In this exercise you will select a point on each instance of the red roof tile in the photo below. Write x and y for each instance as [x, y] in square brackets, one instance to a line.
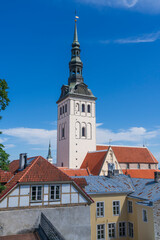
[131, 154]
[94, 161]
[81, 182]
[5, 176]
[39, 170]
[140, 173]
[75, 172]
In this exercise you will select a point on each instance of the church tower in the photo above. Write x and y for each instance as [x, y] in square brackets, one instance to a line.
[76, 126]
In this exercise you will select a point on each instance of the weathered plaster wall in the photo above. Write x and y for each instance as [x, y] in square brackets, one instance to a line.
[156, 219]
[72, 222]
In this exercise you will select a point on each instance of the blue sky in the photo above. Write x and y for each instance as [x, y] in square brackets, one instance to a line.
[120, 51]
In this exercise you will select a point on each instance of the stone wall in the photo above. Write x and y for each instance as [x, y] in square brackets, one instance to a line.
[72, 222]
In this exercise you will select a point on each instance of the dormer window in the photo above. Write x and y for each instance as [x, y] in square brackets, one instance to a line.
[36, 193]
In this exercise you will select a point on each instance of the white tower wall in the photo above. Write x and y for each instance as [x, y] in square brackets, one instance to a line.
[72, 146]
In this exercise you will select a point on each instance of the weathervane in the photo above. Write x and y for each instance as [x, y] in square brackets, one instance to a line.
[76, 17]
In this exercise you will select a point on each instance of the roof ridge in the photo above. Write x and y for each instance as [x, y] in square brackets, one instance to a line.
[28, 169]
[103, 145]
[151, 155]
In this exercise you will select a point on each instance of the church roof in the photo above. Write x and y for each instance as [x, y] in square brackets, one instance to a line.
[140, 173]
[125, 154]
[94, 161]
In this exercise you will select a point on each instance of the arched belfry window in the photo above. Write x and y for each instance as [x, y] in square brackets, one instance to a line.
[83, 107]
[89, 108]
[83, 131]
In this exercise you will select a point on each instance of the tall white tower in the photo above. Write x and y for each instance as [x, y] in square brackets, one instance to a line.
[76, 126]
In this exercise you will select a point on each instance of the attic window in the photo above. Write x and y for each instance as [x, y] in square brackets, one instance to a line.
[138, 166]
[149, 166]
[36, 193]
[55, 192]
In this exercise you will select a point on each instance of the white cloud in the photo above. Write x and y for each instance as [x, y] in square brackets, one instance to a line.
[134, 134]
[32, 135]
[145, 38]
[151, 6]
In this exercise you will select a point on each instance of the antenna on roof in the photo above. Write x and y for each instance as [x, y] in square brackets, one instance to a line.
[110, 140]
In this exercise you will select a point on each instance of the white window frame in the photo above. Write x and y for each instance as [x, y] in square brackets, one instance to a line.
[128, 230]
[114, 230]
[143, 215]
[128, 206]
[113, 207]
[55, 185]
[36, 200]
[119, 229]
[99, 216]
[97, 232]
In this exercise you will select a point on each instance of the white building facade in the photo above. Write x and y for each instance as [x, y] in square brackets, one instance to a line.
[76, 128]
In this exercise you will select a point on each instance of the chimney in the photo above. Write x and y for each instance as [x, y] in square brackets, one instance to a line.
[116, 172]
[22, 161]
[157, 177]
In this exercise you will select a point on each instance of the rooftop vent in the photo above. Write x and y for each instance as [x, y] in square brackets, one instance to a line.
[157, 176]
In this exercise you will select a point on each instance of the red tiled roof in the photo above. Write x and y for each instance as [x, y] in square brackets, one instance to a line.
[39, 170]
[94, 161]
[5, 176]
[81, 182]
[140, 173]
[131, 154]
[14, 165]
[75, 172]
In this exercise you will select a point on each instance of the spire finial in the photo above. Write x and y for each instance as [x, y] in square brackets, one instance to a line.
[75, 30]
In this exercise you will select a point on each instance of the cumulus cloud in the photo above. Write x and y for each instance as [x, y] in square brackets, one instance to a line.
[31, 135]
[134, 134]
[151, 6]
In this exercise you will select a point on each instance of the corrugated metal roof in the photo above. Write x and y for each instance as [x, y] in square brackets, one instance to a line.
[105, 185]
[146, 189]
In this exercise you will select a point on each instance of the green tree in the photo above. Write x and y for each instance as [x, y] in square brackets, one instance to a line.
[4, 101]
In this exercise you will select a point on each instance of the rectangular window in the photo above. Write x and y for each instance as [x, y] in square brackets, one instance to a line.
[100, 209]
[130, 207]
[122, 229]
[36, 193]
[144, 213]
[55, 192]
[111, 230]
[101, 231]
[65, 107]
[116, 207]
[130, 230]
[127, 165]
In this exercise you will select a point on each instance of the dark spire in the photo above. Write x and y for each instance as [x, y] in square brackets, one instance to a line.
[75, 65]
[49, 157]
